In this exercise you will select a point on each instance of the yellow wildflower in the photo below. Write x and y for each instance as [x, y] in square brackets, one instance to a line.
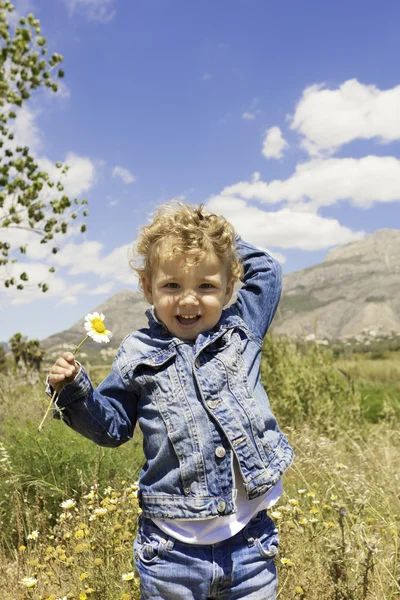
[79, 533]
[83, 575]
[286, 562]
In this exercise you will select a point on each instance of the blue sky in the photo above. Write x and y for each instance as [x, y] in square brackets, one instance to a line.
[283, 116]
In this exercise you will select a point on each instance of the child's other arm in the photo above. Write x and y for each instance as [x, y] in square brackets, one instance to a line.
[106, 415]
[258, 299]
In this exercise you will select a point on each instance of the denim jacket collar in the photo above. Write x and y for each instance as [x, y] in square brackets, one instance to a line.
[228, 320]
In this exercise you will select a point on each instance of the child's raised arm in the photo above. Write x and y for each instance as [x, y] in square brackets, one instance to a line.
[258, 299]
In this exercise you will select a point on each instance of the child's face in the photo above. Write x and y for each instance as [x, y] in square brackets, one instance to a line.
[177, 290]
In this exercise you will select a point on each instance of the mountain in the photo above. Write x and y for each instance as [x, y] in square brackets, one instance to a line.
[355, 288]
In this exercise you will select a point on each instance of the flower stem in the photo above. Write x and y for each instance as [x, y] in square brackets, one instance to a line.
[55, 392]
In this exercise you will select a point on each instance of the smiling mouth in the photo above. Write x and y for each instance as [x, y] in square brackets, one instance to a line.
[187, 322]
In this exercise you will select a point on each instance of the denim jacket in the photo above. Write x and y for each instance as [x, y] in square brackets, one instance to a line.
[197, 403]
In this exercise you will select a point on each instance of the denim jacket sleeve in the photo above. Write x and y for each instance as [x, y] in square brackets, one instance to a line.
[106, 415]
[258, 299]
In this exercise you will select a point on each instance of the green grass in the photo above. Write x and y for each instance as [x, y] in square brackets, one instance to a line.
[339, 533]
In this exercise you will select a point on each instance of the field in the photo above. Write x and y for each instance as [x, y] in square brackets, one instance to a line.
[68, 509]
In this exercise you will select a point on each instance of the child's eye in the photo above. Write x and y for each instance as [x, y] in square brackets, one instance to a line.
[171, 283]
[209, 284]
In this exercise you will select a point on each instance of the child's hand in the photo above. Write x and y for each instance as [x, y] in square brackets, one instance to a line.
[63, 371]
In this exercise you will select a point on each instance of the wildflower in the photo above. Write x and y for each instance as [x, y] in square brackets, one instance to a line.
[313, 520]
[331, 524]
[341, 466]
[287, 563]
[301, 492]
[79, 533]
[100, 512]
[34, 535]
[82, 596]
[126, 597]
[293, 502]
[96, 329]
[67, 504]
[90, 495]
[98, 562]
[29, 582]
[128, 576]
[83, 575]
[314, 510]
[276, 515]
[108, 490]
[22, 548]
[79, 548]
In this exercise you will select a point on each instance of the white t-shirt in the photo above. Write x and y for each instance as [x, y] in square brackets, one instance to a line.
[216, 529]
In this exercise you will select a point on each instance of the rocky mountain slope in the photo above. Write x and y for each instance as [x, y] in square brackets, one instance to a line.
[356, 288]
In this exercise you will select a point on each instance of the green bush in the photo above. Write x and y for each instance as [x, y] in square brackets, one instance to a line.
[305, 387]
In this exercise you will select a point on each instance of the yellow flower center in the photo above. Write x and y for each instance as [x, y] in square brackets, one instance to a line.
[98, 325]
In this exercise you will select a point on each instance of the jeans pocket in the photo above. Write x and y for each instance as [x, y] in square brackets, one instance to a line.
[148, 548]
[262, 533]
[267, 543]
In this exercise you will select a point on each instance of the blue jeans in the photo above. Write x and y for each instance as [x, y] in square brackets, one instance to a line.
[237, 568]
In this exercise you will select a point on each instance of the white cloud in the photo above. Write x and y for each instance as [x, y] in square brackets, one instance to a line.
[63, 90]
[39, 272]
[252, 110]
[248, 116]
[102, 289]
[327, 119]
[25, 130]
[113, 266]
[285, 228]
[274, 144]
[124, 174]
[95, 10]
[315, 183]
[80, 177]
[68, 300]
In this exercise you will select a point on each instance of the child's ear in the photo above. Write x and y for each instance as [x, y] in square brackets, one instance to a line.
[147, 289]
[229, 291]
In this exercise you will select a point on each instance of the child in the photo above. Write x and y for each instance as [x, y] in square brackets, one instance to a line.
[214, 452]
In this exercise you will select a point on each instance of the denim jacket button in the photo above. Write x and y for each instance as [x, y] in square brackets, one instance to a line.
[221, 506]
[220, 451]
[212, 403]
[197, 363]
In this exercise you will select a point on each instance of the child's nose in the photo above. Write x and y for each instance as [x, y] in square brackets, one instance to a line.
[189, 298]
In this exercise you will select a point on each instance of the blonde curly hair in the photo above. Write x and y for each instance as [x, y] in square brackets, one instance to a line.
[179, 228]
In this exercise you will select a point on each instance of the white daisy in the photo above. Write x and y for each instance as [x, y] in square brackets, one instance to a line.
[128, 576]
[95, 327]
[67, 504]
[29, 582]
